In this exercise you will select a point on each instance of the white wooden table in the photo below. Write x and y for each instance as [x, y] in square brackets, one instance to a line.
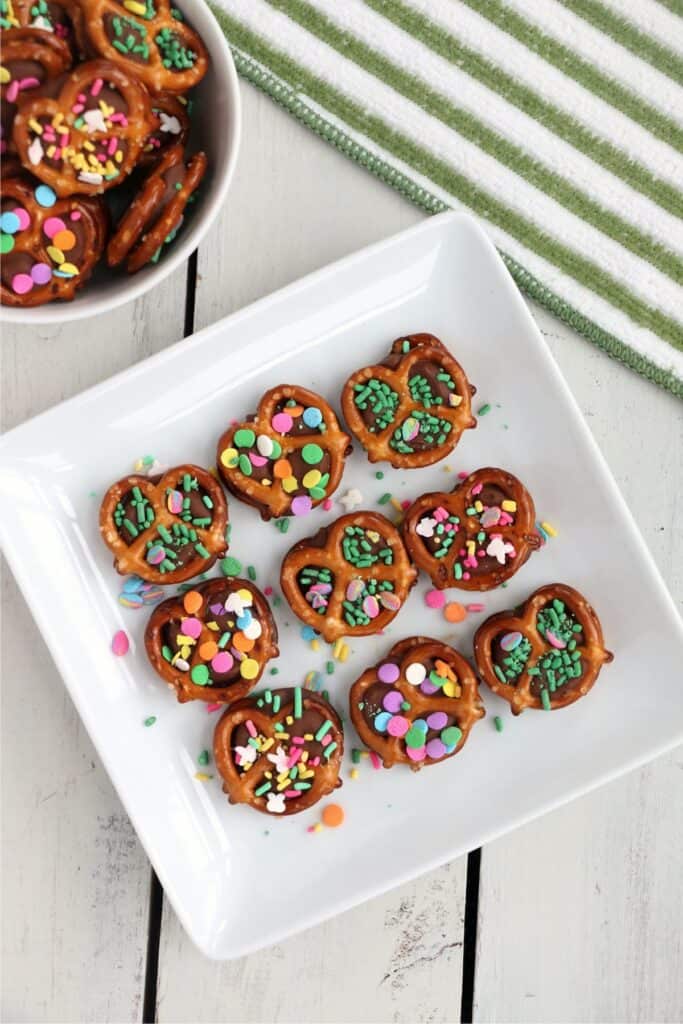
[575, 917]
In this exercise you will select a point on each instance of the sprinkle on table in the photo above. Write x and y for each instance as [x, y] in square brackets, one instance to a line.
[149, 721]
[483, 409]
[549, 529]
[454, 612]
[435, 599]
[120, 643]
[231, 566]
[379, 475]
[251, 573]
[203, 757]
[202, 777]
[386, 497]
[333, 815]
[475, 607]
[498, 722]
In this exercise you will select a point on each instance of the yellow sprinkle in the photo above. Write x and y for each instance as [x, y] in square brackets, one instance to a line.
[135, 7]
[35, 126]
[268, 744]
[447, 469]
[283, 775]
[289, 484]
[109, 168]
[186, 641]
[289, 720]
[213, 626]
[245, 767]
[51, 150]
[313, 477]
[315, 644]
[397, 504]
[90, 146]
[202, 776]
[106, 109]
[306, 775]
[310, 676]
[185, 652]
[336, 650]
[268, 775]
[229, 458]
[55, 254]
[550, 530]
[307, 736]
[354, 773]
[318, 827]
[283, 785]
[471, 547]
[365, 753]
[245, 596]
[508, 506]
[118, 156]
[345, 651]
[478, 505]
[266, 482]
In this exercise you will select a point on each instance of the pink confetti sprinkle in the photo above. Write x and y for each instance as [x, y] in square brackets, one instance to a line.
[405, 504]
[435, 599]
[75, 215]
[475, 607]
[12, 91]
[327, 504]
[375, 761]
[268, 591]
[96, 87]
[213, 707]
[251, 728]
[477, 489]
[52, 225]
[120, 643]
[282, 422]
[291, 793]
[462, 476]
[22, 283]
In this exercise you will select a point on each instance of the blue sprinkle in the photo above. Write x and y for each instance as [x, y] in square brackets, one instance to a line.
[45, 196]
[382, 721]
[244, 620]
[133, 584]
[9, 223]
[420, 724]
[312, 416]
[308, 633]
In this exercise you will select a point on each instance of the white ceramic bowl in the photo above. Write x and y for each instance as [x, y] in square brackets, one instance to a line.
[216, 128]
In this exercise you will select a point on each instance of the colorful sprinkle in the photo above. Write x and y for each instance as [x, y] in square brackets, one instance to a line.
[454, 612]
[435, 599]
[120, 643]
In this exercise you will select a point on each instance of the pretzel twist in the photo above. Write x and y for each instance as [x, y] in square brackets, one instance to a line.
[33, 257]
[519, 691]
[395, 373]
[506, 521]
[461, 705]
[143, 229]
[135, 557]
[213, 670]
[278, 496]
[94, 146]
[325, 551]
[248, 781]
[158, 48]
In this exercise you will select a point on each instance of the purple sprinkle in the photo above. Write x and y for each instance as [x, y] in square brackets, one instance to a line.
[392, 701]
[388, 672]
[437, 720]
[428, 687]
[301, 505]
[435, 748]
[41, 273]
[216, 609]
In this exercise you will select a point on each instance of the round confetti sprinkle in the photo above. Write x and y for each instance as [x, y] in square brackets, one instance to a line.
[45, 196]
[290, 484]
[231, 566]
[67, 270]
[388, 672]
[41, 273]
[192, 602]
[392, 701]
[416, 673]
[420, 724]
[55, 254]
[312, 454]
[301, 505]
[451, 736]
[10, 223]
[312, 417]
[448, 689]
[416, 753]
[333, 815]
[435, 599]
[120, 643]
[282, 469]
[398, 726]
[371, 606]
[191, 627]
[52, 226]
[312, 478]
[392, 602]
[282, 422]
[244, 438]
[174, 502]
[454, 612]
[22, 283]
[149, 721]
[229, 458]
[222, 662]
[208, 649]
[6, 243]
[428, 687]
[264, 445]
[415, 737]
[249, 668]
[308, 633]
[510, 641]
[65, 240]
[435, 748]
[382, 721]
[22, 214]
[242, 643]
[437, 720]
[200, 675]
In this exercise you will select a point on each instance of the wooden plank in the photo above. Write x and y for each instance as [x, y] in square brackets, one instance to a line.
[397, 958]
[580, 912]
[75, 881]
[294, 206]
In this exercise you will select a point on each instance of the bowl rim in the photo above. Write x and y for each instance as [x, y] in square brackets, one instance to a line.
[138, 284]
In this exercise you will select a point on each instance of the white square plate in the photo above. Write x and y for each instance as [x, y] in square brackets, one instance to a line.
[237, 879]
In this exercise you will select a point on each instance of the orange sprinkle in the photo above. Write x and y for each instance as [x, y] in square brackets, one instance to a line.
[444, 670]
[208, 650]
[282, 469]
[294, 410]
[64, 240]
[192, 602]
[333, 814]
[242, 643]
[454, 612]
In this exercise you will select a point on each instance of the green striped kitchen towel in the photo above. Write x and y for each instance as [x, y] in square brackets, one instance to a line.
[559, 123]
